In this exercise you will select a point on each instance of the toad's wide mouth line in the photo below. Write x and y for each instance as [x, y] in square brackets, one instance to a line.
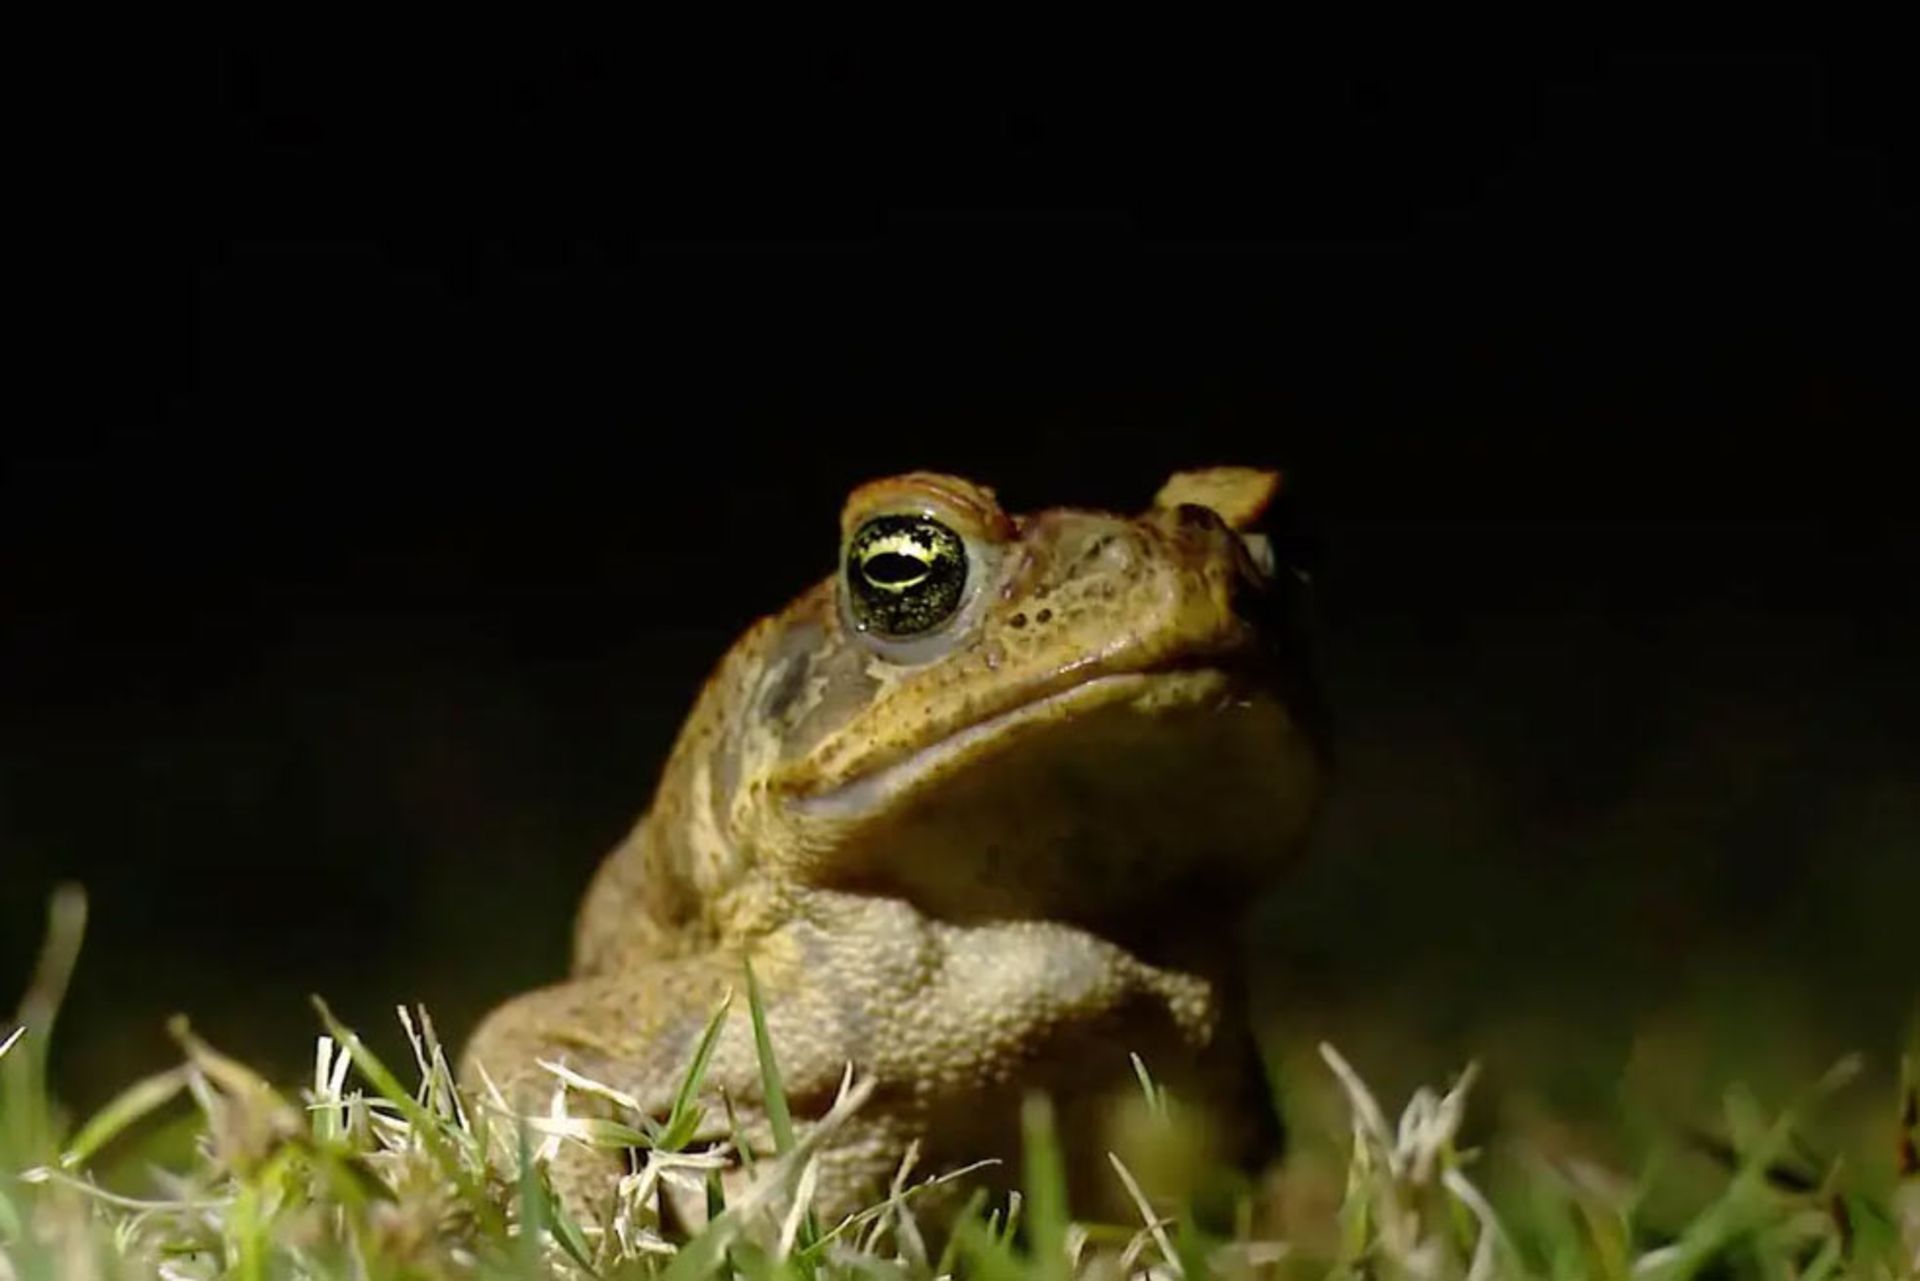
[863, 793]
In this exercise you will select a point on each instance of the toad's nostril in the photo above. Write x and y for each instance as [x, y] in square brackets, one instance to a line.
[1194, 516]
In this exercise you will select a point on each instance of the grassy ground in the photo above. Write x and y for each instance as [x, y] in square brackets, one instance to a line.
[209, 1170]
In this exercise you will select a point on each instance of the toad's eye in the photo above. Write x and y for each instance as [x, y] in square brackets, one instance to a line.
[904, 574]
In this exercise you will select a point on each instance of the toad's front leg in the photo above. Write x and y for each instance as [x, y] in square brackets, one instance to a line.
[638, 1031]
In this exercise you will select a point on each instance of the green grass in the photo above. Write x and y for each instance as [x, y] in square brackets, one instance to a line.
[209, 1170]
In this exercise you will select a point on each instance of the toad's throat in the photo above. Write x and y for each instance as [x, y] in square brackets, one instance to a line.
[1150, 691]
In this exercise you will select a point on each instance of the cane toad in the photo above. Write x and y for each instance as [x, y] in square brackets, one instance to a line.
[982, 808]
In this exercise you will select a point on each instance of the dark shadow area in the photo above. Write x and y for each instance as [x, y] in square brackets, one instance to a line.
[425, 427]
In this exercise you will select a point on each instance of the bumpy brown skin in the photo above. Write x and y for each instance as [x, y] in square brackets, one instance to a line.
[991, 858]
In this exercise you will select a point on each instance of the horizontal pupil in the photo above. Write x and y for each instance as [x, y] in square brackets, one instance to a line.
[892, 569]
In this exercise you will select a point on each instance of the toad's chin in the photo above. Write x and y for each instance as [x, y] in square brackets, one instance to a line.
[1079, 805]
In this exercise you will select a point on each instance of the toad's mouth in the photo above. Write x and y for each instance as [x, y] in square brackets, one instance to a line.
[1149, 692]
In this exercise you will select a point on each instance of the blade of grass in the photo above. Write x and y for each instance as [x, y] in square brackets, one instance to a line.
[59, 954]
[1155, 1096]
[969, 1214]
[1046, 1187]
[11, 1227]
[779, 1117]
[1745, 1206]
[592, 1130]
[684, 1116]
[126, 1109]
[533, 1206]
[27, 1119]
[1154, 1227]
[986, 1251]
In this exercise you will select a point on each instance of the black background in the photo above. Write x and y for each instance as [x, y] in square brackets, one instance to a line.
[416, 427]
